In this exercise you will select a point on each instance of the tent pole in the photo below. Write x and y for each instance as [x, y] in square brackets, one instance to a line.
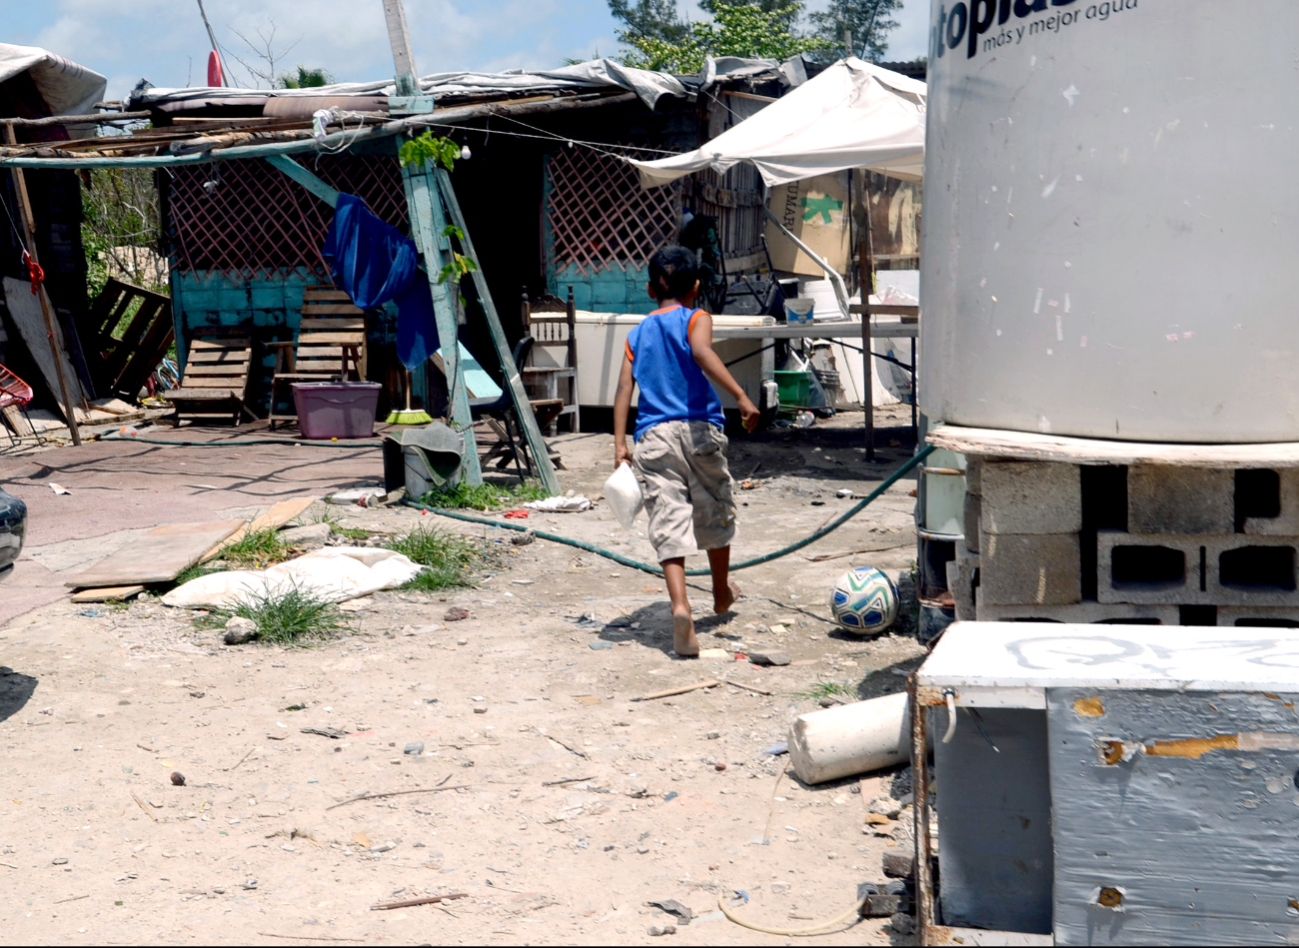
[866, 266]
[47, 310]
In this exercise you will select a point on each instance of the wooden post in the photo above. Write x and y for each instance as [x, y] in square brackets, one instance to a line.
[866, 267]
[47, 308]
[427, 223]
[403, 57]
[522, 406]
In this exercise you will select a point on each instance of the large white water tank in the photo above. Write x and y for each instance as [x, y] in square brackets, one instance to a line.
[1111, 229]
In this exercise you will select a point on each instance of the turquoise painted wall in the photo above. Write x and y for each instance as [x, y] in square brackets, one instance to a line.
[268, 307]
[611, 290]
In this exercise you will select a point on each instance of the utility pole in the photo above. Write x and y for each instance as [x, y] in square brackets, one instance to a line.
[211, 36]
[847, 42]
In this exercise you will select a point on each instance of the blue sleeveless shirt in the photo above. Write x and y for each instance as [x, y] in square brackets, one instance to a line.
[672, 385]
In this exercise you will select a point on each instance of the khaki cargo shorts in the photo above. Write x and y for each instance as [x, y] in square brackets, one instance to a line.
[682, 470]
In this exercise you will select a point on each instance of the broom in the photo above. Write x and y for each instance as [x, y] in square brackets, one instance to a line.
[409, 416]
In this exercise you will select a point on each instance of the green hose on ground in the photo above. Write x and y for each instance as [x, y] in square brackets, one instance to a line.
[651, 568]
[241, 443]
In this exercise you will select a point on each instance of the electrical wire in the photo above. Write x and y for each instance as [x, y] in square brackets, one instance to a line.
[655, 569]
[601, 147]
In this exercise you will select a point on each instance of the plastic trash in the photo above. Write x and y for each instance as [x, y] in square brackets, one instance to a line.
[804, 419]
[622, 492]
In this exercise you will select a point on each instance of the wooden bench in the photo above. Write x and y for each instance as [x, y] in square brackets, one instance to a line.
[330, 346]
[215, 382]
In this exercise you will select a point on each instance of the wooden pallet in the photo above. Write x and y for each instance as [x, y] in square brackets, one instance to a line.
[122, 366]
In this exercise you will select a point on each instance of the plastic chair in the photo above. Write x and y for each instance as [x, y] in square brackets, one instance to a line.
[15, 393]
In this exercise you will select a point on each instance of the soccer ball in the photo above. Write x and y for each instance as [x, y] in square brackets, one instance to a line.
[864, 600]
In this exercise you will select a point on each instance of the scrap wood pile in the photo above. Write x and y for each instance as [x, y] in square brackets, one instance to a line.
[180, 135]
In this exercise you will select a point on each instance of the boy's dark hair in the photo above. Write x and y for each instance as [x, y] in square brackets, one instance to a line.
[673, 272]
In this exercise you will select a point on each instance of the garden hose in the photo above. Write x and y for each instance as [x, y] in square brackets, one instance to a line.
[246, 441]
[817, 929]
[653, 568]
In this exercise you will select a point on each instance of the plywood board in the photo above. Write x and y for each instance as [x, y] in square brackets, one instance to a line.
[25, 311]
[159, 556]
[107, 593]
[1031, 446]
[277, 516]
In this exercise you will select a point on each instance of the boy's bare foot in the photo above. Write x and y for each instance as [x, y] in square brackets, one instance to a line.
[684, 640]
[727, 599]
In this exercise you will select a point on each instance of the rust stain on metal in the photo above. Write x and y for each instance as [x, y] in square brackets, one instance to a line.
[1110, 897]
[1193, 748]
[1111, 752]
[1089, 707]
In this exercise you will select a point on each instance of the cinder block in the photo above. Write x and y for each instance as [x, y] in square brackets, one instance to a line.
[961, 574]
[1230, 570]
[973, 508]
[1079, 612]
[581, 294]
[1040, 569]
[1180, 500]
[1030, 497]
[1286, 523]
[974, 474]
[1259, 616]
[267, 297]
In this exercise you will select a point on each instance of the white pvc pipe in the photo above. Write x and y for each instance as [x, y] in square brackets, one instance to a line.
[851, 739]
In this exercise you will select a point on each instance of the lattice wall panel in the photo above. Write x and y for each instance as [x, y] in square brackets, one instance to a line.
[247, 217]
[600, 216]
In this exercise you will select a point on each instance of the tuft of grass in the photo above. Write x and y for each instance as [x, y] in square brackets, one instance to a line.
[485, 496]
[212, 620]
[290, 615]
[351, 533]
[194, 572]
[257, 549]
[445, 557]
[829, 689]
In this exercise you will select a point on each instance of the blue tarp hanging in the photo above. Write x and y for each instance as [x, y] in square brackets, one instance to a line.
[373, 263]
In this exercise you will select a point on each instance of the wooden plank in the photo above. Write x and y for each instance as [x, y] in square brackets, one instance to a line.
[325, 309]
[107, 593]
[272, 519]
[353, 323]
[234, 342]
[305, 178]
[1030, 446]
[231, 369]
[25, 311]
[200, 393]
[324, 293]
[157, 557]
[335, 338]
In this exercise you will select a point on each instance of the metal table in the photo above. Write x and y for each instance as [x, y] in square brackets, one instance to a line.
[840, 330]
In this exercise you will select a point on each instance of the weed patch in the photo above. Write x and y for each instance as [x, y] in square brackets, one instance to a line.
[257, 549]
[485, 496]
[445, 557]
[290, 615]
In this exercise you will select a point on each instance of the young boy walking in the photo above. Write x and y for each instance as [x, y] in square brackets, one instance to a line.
[680, 454]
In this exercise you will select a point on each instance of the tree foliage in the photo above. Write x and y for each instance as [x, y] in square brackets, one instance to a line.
[869, 21]
[652, 19]
[738, 29]
[304, 77]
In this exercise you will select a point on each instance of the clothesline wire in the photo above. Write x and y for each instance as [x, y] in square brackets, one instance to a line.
[601, 147]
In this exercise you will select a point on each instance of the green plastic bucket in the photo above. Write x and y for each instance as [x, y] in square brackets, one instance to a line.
[793, 388]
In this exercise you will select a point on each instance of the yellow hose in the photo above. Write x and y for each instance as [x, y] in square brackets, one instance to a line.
[817, 929]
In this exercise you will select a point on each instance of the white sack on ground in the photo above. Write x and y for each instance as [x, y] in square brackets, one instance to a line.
[335, 573]
[853, 115]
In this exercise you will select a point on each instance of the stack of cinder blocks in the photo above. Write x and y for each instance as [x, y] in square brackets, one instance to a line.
[1146, 543]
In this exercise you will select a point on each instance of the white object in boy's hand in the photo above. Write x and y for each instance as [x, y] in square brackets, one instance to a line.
[622, 491]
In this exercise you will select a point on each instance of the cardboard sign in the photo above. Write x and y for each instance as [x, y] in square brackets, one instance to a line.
[816, 210]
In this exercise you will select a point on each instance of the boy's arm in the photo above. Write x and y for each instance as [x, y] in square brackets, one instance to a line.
[701, 345]
[621, 406]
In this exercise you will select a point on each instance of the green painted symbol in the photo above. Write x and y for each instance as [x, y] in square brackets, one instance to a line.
[822, 205]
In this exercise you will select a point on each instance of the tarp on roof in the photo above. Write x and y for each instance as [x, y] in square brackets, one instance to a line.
[67, 88]
[853, 115]
[582, 77]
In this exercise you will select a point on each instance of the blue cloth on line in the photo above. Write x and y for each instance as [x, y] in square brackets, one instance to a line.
[373, 262]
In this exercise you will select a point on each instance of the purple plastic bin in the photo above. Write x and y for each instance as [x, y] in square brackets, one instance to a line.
[336, 409]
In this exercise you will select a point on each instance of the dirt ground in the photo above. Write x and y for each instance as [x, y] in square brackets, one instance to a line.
[558, 805]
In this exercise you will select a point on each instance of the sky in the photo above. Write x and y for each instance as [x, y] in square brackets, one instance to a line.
[164, 40]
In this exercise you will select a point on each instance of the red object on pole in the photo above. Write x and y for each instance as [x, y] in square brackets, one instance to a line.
[34, 272]
[214, 78]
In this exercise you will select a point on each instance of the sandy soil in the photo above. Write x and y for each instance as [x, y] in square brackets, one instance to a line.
[664, 799]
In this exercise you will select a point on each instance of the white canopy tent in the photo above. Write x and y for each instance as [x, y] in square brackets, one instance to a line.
[67, 88]
[853, 115]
